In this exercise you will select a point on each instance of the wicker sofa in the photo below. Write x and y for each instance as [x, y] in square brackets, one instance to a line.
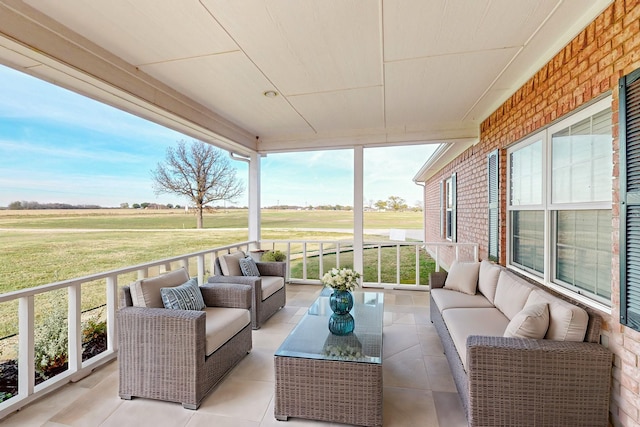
[510, 368]
[268, 285]
[180, 355]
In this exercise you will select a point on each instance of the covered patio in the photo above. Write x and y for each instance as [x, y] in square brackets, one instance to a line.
[258, 79]
[418, 388]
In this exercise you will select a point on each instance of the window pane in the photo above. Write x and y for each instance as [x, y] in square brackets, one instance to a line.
[583, 250]
[581, 159]
[527, 239]
[526, 175]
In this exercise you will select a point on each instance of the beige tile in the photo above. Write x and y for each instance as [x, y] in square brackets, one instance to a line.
[148, 413]
[397, 338]
[201, 419]
[257, 365]
[93, 407]
[239, 398]
[38, 412]
[431, 345]
[270, 420]
[449, 409]
[439, 374]
[403, 318]
[406, 369]
[268, 340]
[99, 375]
[404, 299]
[409, 408]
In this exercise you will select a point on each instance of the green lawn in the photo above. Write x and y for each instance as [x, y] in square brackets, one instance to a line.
[40, 247]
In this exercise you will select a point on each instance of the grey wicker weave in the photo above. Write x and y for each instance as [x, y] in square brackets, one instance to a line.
[162, 352]
[261, 310]
[320, 376]
[525, 382]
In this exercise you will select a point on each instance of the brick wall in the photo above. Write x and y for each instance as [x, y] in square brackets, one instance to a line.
[586, 68]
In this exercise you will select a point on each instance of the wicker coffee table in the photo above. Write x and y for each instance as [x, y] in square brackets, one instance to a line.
[321, 376]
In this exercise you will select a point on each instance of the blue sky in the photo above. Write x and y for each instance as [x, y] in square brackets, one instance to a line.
[57, 146]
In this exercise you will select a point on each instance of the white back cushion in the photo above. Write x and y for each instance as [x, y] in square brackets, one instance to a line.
[463, 277]
[146, 292]
[230, 264]
[511, 294]
[488, 279]
[567, 322]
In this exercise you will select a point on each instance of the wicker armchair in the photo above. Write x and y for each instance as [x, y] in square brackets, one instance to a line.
[262, 308]
[162, 352]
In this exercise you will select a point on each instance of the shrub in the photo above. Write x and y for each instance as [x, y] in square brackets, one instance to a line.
[51, 343]
[274, 256]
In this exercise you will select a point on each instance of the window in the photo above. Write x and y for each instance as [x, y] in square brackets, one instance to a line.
[449, 211]
[629, 119]
[494, 205]
[559, 203]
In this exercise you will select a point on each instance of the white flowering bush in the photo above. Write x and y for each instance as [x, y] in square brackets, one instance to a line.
[344, 279]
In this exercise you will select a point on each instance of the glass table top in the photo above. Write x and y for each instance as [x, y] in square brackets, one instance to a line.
[311, 338]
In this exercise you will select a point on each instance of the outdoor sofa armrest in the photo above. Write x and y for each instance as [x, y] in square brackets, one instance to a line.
[230, 295]
[437, 279]
[160, 337]
[517, 381]
[254, 281]
[272, 268]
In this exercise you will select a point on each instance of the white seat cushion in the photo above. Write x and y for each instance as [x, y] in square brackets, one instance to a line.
[230, 264]
[463, 322]
[271, 285]
[567, 322]
[446, 298]
[222, 324]
[146, 292]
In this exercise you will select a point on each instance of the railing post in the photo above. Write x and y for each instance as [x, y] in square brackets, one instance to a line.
[398, 264]
[417, 247]
[26, 344]
[379, 264]
[337, 254]
[321, 261]
[200, 259]
[304, 260]
[112, 308]
[74, 324]
[437, 258]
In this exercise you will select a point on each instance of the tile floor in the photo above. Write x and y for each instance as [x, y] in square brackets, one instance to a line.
[418, 387]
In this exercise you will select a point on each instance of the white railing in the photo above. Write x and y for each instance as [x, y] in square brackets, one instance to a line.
[78, 369]
[298, 251]
[305, 251]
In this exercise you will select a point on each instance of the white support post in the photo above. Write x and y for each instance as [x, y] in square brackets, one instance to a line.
[254, 198]
[75, 327]
[112, 308]
[358, 209]
[201, 269]
[26, 340]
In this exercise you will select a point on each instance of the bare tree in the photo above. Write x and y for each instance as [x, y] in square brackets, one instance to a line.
[199, 172]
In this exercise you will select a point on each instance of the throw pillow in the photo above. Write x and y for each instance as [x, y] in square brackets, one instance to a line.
[531, 322]
[463, 277]
[249, 267]
[488, 279]
[184, 297]
[230, 264]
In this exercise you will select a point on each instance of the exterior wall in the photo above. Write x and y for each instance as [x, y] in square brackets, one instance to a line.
[586, 68]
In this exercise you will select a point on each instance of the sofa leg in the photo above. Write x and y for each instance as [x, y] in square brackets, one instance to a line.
[190, 406]
[126, 396]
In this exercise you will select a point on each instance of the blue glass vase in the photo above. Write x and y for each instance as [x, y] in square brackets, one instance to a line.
[341, 302]
[341, 324]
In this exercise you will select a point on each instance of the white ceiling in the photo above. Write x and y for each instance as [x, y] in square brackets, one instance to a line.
[348, 72]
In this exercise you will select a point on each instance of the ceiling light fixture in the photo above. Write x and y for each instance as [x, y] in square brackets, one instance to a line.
[270, 93]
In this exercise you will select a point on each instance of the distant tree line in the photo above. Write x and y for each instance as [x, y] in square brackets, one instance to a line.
[17, 206]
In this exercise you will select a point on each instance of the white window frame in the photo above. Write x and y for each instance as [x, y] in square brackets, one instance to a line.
[549, 208]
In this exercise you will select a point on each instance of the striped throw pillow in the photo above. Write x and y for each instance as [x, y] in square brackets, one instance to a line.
[184, 297]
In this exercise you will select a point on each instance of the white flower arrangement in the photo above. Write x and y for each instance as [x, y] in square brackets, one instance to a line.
[344, 279]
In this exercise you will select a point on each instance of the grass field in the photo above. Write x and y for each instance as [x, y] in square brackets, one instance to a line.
[40, 247]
